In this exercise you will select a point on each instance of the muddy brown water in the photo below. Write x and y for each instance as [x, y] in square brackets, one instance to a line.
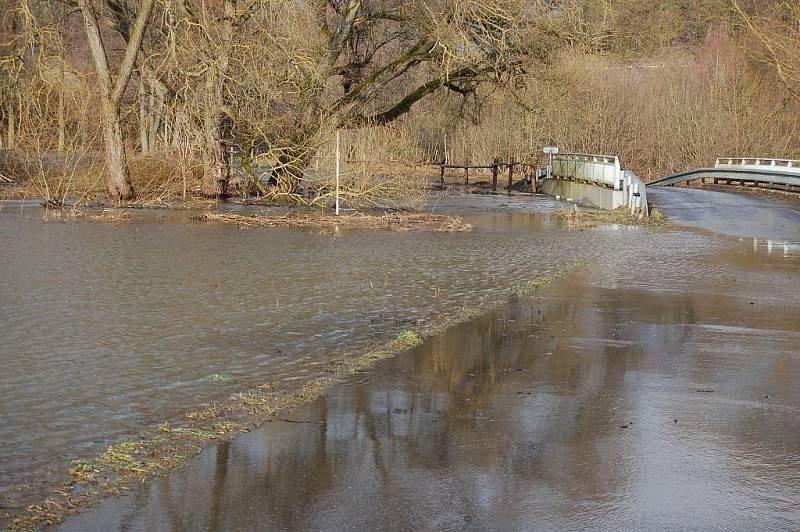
[107, 330]
[556, 411]
[594, 405]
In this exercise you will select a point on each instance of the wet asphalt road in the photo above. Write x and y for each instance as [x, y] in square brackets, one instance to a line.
[728, 213]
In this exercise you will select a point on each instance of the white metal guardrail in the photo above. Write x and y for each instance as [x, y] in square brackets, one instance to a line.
[635, 193]
[787, 166]
[602, 170]
[755, 171]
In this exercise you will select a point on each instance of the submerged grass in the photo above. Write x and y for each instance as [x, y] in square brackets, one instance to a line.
[219, 378]
[76, 214]
[118, 467]
[394, 221]
[407, 340]
[586, 219]
[527, 287]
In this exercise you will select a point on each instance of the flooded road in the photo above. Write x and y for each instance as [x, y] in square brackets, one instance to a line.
[655, 388]
[109, 330]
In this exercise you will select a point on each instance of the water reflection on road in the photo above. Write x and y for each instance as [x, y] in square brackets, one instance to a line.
[109, 330]
[620, 398]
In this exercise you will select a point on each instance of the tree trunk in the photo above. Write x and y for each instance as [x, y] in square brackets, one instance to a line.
[215, 169]
[111, 92]
[144, 117]
[180, 127]
[216, 172]
[119, 181]
[62, 121]
[157, 111]
[11, 144]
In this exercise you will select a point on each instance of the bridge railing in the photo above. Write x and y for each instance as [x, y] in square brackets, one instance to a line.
[750, 163]
[602, 170]
[635, 193]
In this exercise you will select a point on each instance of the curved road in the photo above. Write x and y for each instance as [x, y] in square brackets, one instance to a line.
[728, 213]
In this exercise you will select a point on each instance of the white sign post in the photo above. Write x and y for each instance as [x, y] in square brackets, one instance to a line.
[550, 151]
[337, 173]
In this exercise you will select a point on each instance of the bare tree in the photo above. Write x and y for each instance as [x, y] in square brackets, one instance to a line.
[776, 29]
[378, 59]
[112, 88]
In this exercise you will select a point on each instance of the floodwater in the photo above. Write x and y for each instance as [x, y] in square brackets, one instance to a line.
[619, 398]
[111, 329]
[657, 387]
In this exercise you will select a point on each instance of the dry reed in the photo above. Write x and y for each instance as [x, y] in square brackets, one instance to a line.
[396, 221]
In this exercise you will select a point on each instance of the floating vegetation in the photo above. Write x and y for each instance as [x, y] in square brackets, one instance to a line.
[395, 221]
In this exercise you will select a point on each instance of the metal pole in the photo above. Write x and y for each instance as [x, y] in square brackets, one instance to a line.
[337, 172]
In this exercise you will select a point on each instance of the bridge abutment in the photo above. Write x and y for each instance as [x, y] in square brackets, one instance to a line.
[591, 195]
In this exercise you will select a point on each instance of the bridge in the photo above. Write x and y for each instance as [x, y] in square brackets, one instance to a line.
[591, 179]
[772, 173]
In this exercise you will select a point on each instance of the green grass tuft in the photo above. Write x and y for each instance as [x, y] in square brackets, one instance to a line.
[407, 340]
[219, 378]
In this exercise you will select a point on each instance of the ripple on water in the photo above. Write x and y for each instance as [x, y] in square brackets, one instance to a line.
[109, 329]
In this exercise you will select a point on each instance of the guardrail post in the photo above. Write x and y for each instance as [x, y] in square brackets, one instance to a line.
[627, 189]
[466, 173]
[630, 191]
[632, 200]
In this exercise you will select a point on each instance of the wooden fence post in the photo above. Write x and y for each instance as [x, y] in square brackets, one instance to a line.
[466, 173]
[494, 173]
[441, 173]
[510, 173]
